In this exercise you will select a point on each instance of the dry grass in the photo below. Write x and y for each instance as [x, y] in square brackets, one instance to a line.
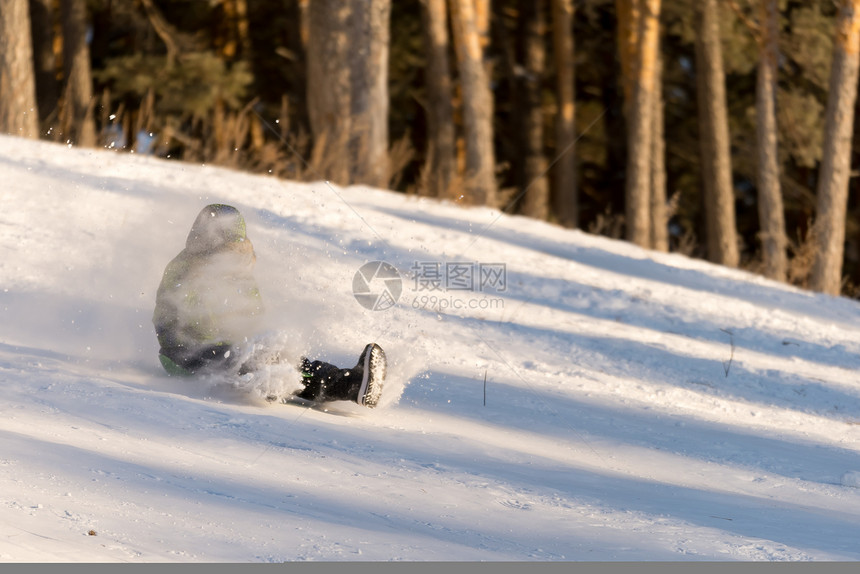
[243, 140]
[608, 223]
[801, 258]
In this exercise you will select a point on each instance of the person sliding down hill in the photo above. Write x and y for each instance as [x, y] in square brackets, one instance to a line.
[208, 306]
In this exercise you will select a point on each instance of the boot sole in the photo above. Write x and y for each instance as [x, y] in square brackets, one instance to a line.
[375, 366]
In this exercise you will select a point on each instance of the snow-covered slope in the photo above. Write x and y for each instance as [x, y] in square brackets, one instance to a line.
[600, 403]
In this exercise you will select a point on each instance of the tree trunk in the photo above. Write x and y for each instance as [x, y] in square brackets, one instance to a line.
[482, 23]
[536, 199]
[564, 181]
[440, 165]
[78, 102]
[770, 209]
[640, 127]
[628, 23]
[480, 177]
[235, 40]
[296, 43]
[369, 43]
[42, 28]
[18, 111]
[278, 62]
[714, 138]
[659, 216]
[329, 88]
[835, 171]
[348, 89]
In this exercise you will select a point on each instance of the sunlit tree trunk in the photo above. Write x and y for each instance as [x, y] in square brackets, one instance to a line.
[348, 89]
[369, 45]
[640, 126]
[659, 215]
[483, 12]
[18, 111]
[835, 171]
[329, 87]
[234, 41]
[440, 166]
[714, 138]
[480, 177]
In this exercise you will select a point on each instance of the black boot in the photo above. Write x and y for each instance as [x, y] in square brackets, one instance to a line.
[323, 381]
[362, 384]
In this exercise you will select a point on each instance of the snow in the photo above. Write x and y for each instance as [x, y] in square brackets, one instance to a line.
[605, 403]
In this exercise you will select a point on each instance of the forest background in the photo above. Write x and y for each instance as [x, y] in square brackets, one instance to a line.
[721, 129]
